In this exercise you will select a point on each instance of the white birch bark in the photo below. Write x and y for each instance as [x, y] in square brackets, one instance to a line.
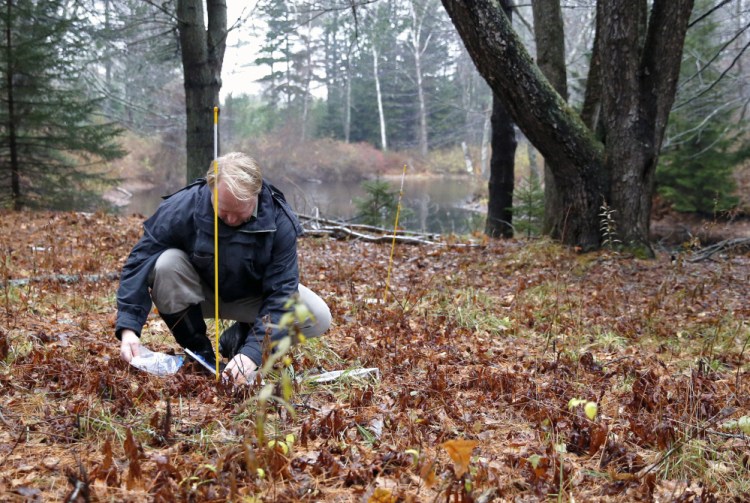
[383, 140]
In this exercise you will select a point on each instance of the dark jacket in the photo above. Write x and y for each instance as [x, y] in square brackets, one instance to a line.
[257, 258]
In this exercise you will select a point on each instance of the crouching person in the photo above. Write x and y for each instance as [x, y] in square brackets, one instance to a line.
[173, 266]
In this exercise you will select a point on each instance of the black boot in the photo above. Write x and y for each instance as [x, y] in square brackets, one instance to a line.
[232, 339]
[189, 330]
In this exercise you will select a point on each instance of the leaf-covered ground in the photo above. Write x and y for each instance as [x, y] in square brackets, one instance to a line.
[480, 350]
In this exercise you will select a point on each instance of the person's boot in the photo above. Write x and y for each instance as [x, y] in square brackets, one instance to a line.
[232, 339]
[189, 330]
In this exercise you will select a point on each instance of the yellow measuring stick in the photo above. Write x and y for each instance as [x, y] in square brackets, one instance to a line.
[216, 236]
[395, 228]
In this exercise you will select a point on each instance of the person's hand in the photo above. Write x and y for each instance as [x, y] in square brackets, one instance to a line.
[130, 345]
[240, 370]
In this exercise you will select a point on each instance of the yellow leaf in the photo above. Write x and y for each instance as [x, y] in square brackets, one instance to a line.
[279, 446]
[460, 452]
[301, 312]
[575, 402]
[590, 409]
[381, 495]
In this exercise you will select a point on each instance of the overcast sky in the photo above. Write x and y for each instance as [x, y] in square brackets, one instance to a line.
[239, 72]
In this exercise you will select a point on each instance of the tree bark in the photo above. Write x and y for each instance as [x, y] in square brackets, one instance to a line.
[15, 169]
[202, 57]
[592, 98]
[348, 101]
[381, 114]
[502, 164]
[641, 69]
[549, 34]
[486, 133]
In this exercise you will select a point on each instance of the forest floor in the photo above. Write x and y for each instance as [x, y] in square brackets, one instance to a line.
[508, 370]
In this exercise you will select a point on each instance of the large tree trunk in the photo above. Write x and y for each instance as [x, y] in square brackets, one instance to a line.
[639, 74]
[549, 34]
[202, 57]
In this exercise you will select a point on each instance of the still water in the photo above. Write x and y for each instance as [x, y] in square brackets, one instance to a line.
[435, 205]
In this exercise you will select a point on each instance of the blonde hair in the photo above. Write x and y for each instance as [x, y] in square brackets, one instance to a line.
[240, 173]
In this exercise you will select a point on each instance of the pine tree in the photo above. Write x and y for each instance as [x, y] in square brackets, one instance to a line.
[528, 207]
[705, 140]
[50, 136]
[380, 204]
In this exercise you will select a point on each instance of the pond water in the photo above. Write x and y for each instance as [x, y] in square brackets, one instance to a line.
[435, 204]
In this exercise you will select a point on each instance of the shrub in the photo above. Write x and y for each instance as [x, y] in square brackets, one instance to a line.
[322, 159]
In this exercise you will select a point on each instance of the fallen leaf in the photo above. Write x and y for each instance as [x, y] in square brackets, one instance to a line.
[381, 495]
[460, 452]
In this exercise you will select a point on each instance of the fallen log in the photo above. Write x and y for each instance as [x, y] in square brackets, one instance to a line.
[316, 226]
[724, 246]
[318, 222]
[342, 232]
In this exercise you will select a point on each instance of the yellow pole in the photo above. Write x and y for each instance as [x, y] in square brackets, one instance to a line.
[216, 237]
[395, 228]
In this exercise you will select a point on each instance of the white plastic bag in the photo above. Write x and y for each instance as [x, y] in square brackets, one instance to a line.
[156, 363]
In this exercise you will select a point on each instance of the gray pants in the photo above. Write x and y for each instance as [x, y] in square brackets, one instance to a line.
[175, 285]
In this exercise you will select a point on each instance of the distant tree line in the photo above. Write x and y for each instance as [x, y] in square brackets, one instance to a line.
[400, 75]
[392, 73]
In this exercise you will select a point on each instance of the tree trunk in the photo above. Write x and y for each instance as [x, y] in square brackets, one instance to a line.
[592, 98]
[502, 163]
[308, 80]
[202, 57]
[486, 136]
[549, 33]
[381, 115]
[467, 158]
[640, 75]
[416, 35]
[348, 101]
[15, 169]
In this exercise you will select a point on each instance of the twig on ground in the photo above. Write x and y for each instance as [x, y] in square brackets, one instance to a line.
[723, 246]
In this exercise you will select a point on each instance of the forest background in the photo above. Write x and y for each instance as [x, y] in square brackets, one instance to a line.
[331, 93]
